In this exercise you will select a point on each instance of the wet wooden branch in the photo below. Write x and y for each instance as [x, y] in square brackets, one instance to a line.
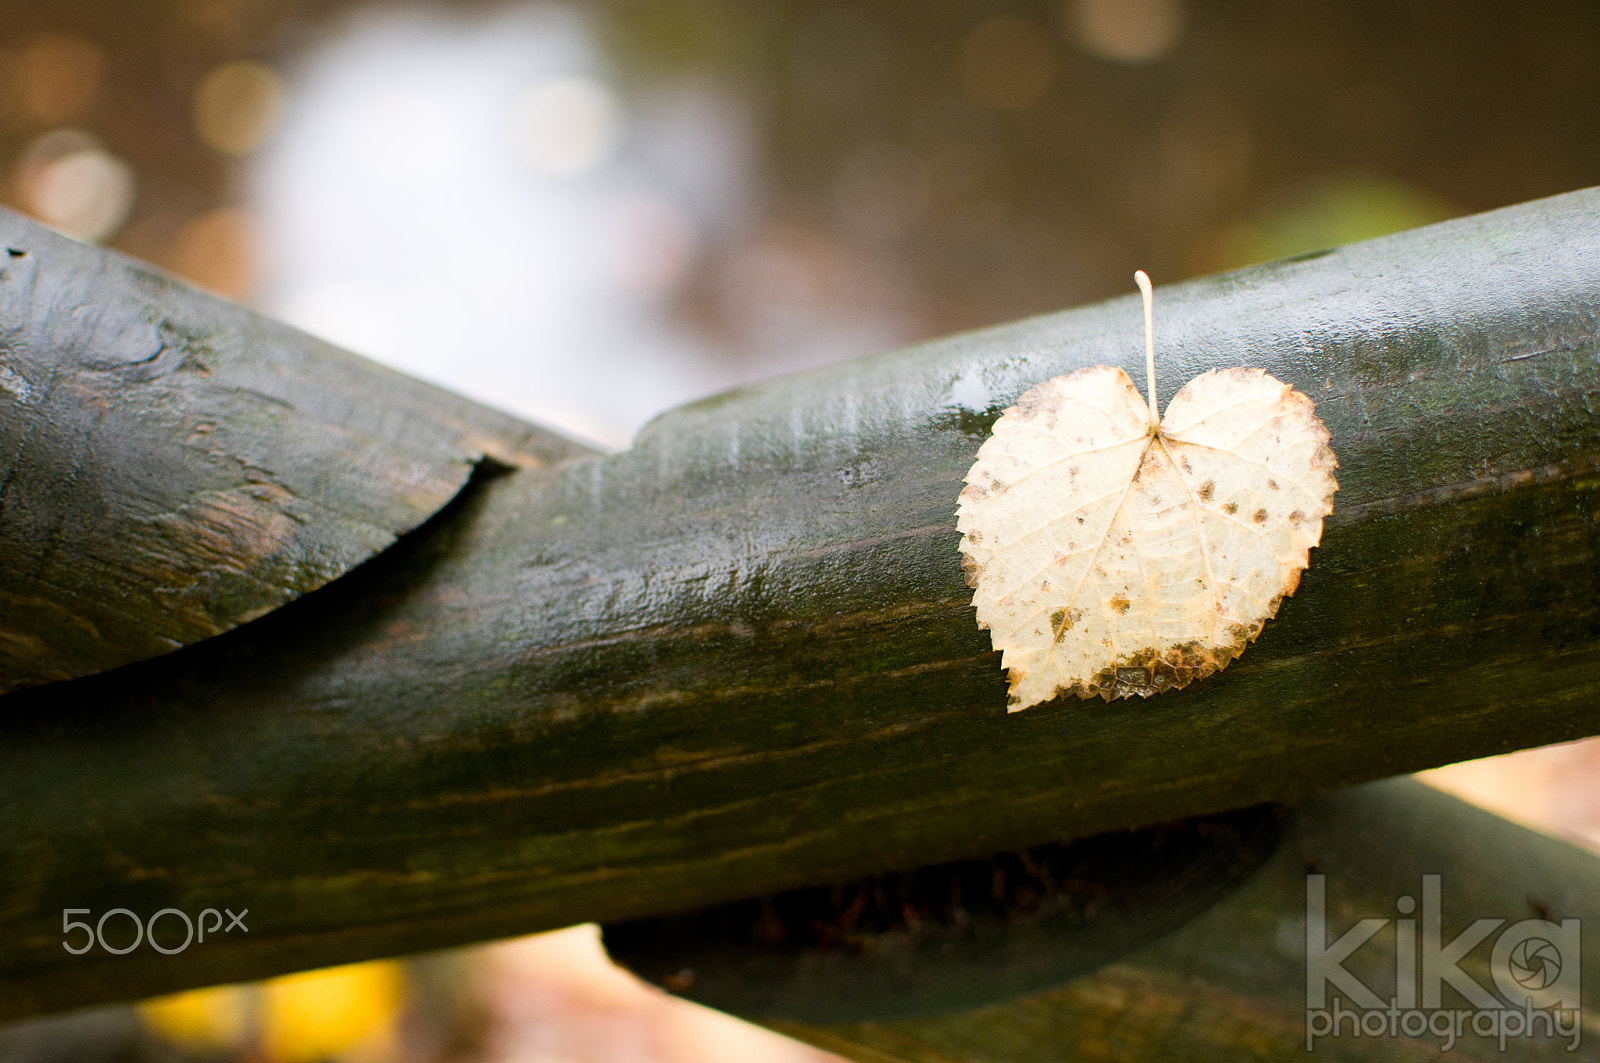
[172, 465]
[1232, 984]
[739, 657]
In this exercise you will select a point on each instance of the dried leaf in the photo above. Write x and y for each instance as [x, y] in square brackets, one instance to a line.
[1111, 557]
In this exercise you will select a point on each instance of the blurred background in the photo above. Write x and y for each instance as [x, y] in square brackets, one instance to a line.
[588, 212]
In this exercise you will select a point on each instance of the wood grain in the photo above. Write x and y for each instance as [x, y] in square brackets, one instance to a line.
[172, 465]
[740, 656]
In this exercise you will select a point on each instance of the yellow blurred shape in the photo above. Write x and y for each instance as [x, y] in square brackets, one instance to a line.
[217, 251]
[1127, 31]
[57, 75]
[200, 1018]
[318, 1014]
[237, 106]
[1007, 62]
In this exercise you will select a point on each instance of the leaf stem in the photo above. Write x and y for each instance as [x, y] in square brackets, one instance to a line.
[1142, 279]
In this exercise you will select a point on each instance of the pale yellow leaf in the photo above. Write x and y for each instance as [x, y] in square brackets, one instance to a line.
[1111, 558]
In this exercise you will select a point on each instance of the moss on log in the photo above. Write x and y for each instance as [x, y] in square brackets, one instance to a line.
[172, 465]
[740, 656]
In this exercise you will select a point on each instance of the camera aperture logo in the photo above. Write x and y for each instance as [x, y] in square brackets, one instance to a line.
[1534, 968]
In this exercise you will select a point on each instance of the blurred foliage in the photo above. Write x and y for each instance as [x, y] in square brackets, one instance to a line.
[671, 38]
[1326, 214]
[995, 159]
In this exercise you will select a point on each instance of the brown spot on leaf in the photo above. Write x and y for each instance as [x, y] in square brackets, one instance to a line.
[1240, 635]
[1272, 485]
[1061, 621]
[1230, 508]
[1120, 603]
[1297, 518]
[1260, 517]
[1206, 490]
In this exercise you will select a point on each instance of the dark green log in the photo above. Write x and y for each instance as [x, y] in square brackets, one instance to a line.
[172, 465]
[948, 937]
[1232, 984]
[739, 657]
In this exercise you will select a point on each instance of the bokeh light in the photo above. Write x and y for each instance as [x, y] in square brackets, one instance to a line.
[455, 196]
[237, 106]
[217, 251]
[317, 1015]
[348, 1012]
[1127, 31]
[208, 1019]
[67, 180]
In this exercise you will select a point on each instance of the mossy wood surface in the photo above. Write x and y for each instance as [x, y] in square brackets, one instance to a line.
[740, 657]
[1231, 984]
[172, 465]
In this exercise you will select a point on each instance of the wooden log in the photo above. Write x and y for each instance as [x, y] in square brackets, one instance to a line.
[172, 465]
[1232, 984]
[948, 937]
[740, 656]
